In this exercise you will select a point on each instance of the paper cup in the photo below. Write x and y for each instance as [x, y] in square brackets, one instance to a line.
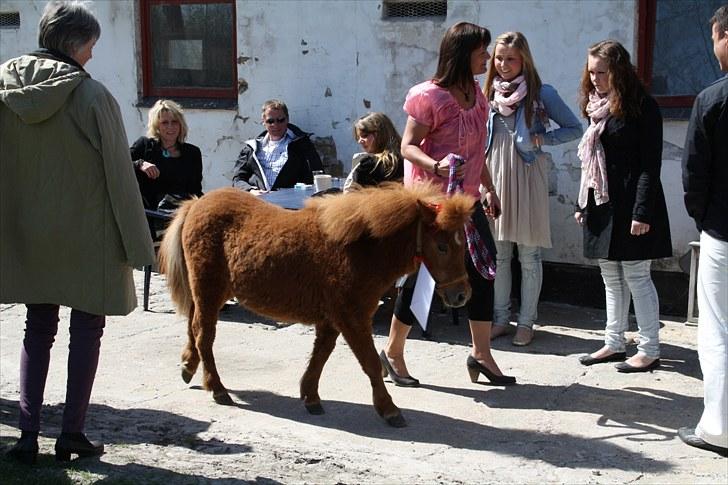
[321, 182]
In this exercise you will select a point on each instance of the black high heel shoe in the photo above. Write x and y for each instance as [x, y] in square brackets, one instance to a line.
[25, 449]
[475, 368]
[398, 380]
[77, 444]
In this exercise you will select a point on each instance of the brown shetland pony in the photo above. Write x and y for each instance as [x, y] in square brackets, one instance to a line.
[325, 265]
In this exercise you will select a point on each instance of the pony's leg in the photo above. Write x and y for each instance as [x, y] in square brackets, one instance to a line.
[359, 337]
[190, 356]
[205, 322]
[322, 347]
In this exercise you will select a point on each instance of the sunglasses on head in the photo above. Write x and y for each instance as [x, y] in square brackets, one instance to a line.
[270, 121]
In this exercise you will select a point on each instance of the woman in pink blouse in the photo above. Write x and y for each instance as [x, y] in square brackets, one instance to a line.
[449, 114]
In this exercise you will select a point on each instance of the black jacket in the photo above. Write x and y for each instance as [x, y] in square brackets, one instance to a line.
[633, 152]
[367, 172]
[302, 161]
[705, 161]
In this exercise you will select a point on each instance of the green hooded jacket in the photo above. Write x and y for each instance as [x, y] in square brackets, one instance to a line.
[72, 224]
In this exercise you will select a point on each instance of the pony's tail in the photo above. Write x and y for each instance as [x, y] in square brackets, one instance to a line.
[172, 261]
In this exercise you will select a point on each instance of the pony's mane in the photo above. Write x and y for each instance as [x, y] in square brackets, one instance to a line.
[379, 212]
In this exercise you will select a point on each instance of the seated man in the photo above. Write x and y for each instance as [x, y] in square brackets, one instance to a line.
[280, 157]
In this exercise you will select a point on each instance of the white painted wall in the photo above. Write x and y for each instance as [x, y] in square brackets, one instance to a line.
[358, 56]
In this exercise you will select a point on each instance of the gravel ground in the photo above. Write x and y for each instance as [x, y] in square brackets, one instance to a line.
[563, 423]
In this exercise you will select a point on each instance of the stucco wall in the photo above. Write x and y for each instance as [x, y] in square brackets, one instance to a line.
[332, 61]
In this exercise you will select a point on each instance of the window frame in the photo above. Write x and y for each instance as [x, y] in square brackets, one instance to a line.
[148, 91]
[647, 19]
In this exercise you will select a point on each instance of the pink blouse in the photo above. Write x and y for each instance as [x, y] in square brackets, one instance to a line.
[453, 129]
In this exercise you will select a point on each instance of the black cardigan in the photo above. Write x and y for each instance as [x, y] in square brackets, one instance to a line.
[181, 176]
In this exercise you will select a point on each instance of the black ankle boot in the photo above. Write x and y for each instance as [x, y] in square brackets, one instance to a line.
[26, 448]
[77, 444]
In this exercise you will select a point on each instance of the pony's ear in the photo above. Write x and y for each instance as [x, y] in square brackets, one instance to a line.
[428, 211]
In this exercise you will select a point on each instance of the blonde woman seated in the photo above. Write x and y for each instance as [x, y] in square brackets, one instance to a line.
[163, 162]
[381, 160]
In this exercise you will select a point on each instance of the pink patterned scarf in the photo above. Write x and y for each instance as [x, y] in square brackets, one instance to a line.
[591, 152]
[508, 94]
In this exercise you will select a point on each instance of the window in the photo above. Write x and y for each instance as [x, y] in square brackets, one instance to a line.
[188, 48]
[414, 9]
[675, 51]
[9, 20]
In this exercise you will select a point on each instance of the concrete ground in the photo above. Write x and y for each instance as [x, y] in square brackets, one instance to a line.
[562, 423]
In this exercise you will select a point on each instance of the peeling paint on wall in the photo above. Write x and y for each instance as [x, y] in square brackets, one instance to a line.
[243, 59]
[242, 86]
[367, 103]
[326, 147]
[327, 94]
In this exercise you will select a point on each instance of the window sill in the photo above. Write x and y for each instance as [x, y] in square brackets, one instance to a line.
[191, 103]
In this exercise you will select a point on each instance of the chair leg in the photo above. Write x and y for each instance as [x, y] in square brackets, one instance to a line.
[147, 280]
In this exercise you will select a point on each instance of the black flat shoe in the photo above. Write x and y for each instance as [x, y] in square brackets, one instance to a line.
[688, 436]
[626, 368]
[615, 357]
[398, 380]
[25, 449]
[475, 368]
[77, 444]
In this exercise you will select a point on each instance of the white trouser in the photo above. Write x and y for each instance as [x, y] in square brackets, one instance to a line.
[713, 339]
[620, 279]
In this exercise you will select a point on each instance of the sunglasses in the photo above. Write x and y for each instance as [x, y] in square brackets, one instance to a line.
[271, 121]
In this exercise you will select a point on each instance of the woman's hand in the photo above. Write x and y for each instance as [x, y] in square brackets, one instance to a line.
[257, 192]
[537, 140]
[443, 169]
[493, 210]
[580, 218]
[639, 228]
[150, 170]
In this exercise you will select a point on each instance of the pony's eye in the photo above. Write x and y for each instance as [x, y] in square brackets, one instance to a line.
[442, 247]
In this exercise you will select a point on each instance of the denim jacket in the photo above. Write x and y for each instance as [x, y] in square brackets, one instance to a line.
[569, 126]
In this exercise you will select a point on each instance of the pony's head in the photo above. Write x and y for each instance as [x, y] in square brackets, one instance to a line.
[390, 209]
[441, 246]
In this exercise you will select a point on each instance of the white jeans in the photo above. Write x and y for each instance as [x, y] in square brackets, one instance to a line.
[713, 339]
[531, 278]
[620, 279]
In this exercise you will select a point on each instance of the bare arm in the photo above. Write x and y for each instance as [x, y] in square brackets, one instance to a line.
[413, 135]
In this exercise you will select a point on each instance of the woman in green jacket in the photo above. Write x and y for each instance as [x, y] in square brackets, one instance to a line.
[72, 225]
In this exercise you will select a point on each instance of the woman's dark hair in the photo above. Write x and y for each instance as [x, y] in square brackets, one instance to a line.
[67, 26]
[625, 89]
[458, 43]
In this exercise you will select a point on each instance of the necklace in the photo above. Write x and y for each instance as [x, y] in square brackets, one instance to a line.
[165, 150]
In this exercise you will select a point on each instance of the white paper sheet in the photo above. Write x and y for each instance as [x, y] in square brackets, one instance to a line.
[422, 298]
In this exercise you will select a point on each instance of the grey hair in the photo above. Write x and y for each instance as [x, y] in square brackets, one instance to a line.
[66, 26]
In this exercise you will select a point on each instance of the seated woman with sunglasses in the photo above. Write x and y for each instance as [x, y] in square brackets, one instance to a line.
[280, 157]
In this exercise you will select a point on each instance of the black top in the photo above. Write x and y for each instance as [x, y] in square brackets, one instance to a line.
[368, 172]
[180, 176]
[705, 161]
[633, 153]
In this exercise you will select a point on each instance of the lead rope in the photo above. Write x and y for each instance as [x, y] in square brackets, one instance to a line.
[482, 259]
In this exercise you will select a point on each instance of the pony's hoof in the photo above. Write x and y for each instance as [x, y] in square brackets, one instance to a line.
[315, 408]
[223, 398]
[186, 375]
[397, 421]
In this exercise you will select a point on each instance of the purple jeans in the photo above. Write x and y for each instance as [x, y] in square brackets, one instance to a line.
[41, 326]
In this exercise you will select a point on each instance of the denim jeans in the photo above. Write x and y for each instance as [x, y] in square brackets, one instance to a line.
[713, 339]
[531, 278]
[620, 279]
